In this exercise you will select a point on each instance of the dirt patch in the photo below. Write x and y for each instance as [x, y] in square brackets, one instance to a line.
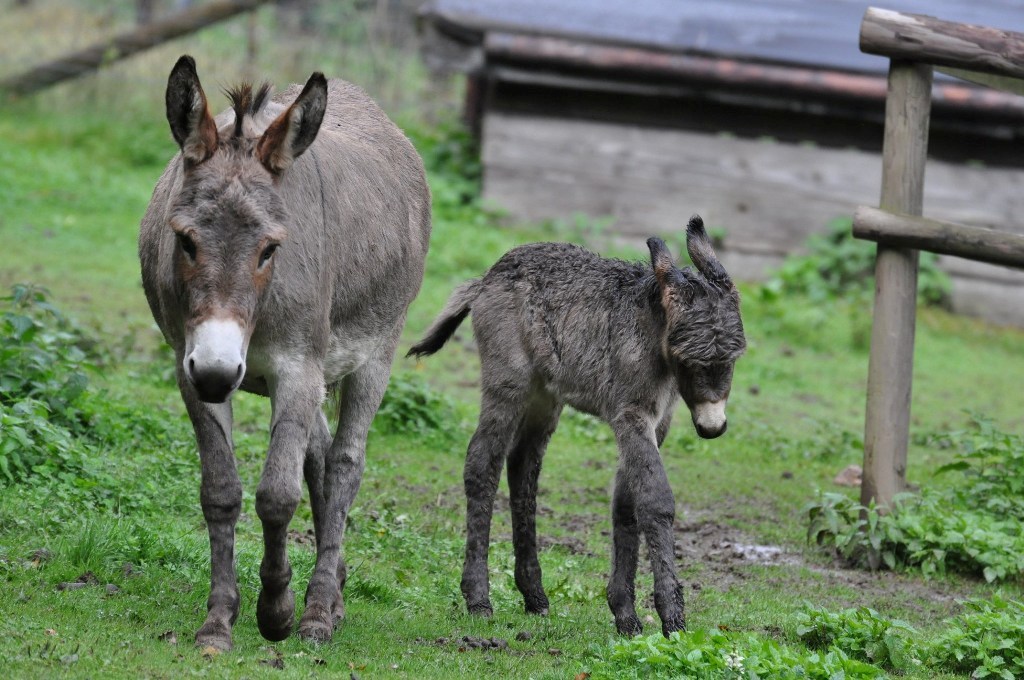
[467, 642]
[726, 556]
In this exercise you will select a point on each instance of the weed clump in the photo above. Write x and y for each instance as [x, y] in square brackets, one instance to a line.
[718, 654]
[972, 527]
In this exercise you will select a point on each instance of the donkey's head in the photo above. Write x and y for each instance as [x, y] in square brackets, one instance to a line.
[703, 330]
[229, 218]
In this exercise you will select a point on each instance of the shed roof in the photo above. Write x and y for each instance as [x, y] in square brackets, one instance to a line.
[815, 33]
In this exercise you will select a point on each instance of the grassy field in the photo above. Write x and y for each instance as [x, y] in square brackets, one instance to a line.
[119, 513]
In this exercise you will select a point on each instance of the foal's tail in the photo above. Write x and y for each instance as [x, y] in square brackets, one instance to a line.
[455, 311]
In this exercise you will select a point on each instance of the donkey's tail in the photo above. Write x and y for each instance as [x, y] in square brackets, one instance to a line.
[455, 311]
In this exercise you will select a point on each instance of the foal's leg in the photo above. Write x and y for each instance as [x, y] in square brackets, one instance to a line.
[501, 412]
[524, 463]
[220, 494]
[643, 473]
[361, 395]
[296, 397]
[625, 549]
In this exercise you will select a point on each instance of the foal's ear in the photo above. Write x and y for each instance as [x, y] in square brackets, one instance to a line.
[295, 129]
[187, 113]
[661, 260]
[698, 246]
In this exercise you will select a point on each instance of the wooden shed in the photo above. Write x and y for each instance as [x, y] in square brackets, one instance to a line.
[764, 117]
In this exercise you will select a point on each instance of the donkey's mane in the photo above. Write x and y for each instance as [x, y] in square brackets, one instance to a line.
[247, 102]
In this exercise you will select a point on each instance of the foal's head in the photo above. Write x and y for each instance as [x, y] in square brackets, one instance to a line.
[704, 332]
[228, 217]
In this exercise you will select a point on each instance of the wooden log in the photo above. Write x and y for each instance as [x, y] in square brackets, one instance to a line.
[916, 37]
[890, 369]
[85, 61]
[945, 238]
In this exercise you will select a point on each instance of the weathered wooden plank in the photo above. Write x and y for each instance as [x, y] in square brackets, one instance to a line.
[948, 238]
[767, 197]
[926, 39]
[84, 61]
[890, 369]
[760, 192]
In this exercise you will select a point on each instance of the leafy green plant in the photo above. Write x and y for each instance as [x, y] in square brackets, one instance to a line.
[718, 654]
[837, 265]
[972, 526]
[861, 633]
[41, 355]
[411, 406]
[985, 641]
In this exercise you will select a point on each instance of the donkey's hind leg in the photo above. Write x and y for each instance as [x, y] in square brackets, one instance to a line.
[625, 552]
[502, 407]
[524, 463]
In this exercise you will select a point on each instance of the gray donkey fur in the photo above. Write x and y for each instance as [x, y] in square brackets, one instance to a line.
[280, 252]
[556, 324]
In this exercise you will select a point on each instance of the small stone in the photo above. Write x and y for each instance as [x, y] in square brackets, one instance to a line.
[524, 635]
[555, 651]
[112, 589]
[850, 476]
[786, 474]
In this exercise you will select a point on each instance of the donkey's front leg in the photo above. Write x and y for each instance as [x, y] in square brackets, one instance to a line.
[643, 472]
[296, 397]
[220, 494]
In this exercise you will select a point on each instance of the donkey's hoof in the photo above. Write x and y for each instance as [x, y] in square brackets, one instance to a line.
[537, 605]
[214, 634]
[676, 623]
[275, 615]
[316, 625]
[629, 626]
[480, 609]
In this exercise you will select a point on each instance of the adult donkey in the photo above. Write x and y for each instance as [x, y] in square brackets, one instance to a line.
[280, 252]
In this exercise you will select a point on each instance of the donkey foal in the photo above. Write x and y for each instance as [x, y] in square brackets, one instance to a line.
[555, 325]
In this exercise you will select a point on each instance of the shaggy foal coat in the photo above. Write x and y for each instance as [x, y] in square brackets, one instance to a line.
[555, 325]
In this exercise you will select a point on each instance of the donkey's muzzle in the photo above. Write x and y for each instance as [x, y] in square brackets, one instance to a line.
[214, 359]
[709, 419]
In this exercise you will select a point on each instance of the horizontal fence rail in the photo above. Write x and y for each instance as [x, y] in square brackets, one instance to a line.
[945, 238]
[932, 41]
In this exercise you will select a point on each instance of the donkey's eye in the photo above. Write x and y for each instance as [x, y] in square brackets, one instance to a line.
[188, 245]
[267, 253]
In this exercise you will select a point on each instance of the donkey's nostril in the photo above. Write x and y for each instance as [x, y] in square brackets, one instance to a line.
[191, 365]
[238, 373]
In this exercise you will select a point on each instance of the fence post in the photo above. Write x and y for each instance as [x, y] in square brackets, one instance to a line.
[887, 423]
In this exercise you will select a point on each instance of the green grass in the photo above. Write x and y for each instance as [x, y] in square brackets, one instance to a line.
[75, 188]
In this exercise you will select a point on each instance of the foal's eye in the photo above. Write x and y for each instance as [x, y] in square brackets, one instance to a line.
[188, 245]
[267, 253]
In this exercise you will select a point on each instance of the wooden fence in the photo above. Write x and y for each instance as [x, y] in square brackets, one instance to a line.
[915, 44]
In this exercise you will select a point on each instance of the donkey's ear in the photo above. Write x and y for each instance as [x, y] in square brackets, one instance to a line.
[295, 129]
[191, 123]
[698, 245]
[661, 260]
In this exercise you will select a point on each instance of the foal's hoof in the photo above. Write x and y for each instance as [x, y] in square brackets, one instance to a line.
[677, 623]
[317, 624]
[537, 605]
[629, 626]
[480, 609]
[214, 634]
[275, 615]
